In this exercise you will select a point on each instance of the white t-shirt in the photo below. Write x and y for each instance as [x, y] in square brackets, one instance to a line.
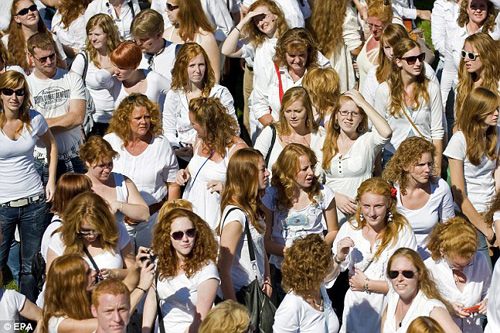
[19, 177]
[52, 98]
[11, 303]
[479, 179]
[478, 274]
[428, 118]
[158, 159]
[178, 296]
[162, 62]
[296, 315]
[106, 259]
[72, 36]
[47, 235]
[439, 208]
[494, 302]
[176, 124]
[242, 273]
[288, 225]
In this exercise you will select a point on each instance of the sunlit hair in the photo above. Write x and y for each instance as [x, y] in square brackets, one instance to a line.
[89, 208]
[285, 171]
[148, 23]
[494, 207]
[225, 317]
[5, 55]
[291, 96]
[327, 21]
[480, 138]
[66, 292]
[204, 250]
[389, 235]
[297, 40]
[70, 10]
[126, 55]
[17, 40]
[392, 34]
[242, 186]
[171, 204]
[381, 9]
[180, 79]
[489, 22]
[95, 150]
[105, 22]
[307, 262]
[331, 147]
[220, 127]
[395, 82]
[191, 19]
[113, 287]
[426, 282]
[257, 37]
[68, 186]
[489, 55]
[455, 238]
[43, 41]
[424, 324]
[407, 155]
[12, 80]
[323, 86]
[120, 121]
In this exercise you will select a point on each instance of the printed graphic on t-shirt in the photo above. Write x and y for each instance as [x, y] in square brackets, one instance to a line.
[52, 98]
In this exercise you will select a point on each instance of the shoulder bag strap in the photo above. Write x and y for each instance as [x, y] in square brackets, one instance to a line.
[159, 314]
[412, 123]
[251, 248]
[224, 220]
[90, 258]
[273, 140]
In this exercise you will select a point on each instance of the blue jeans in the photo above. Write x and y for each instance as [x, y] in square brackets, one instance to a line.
[13, 261]
[32, 222]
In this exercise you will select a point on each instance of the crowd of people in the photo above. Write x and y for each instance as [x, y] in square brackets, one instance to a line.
[355, 187]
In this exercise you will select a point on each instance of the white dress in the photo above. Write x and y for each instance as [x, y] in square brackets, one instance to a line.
[421, 306]
[203, 170]
[359, 304]
[439, 208]
[478, 274]
[347, 172]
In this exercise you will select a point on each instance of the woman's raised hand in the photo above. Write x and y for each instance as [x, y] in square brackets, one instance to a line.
[343, 247]
[182, 177]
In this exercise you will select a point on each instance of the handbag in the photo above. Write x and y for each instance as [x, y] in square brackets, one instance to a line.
[259, 306]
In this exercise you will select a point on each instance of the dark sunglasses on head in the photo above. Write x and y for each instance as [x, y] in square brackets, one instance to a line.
[25, 11]
[171, 7]
[406, 274]
[413, 59]
[9, 92]
[178, 235]
[471, 55]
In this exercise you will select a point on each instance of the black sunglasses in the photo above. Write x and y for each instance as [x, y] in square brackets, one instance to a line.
[25, 11]
[471, 55]
[44, 59]
[9, 92]
[171, 7]
[413, 59]
[178, 235]
[406, 274]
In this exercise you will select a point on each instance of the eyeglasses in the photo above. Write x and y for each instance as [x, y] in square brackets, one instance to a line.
[406, 274]
[104, 165]
[413, 59]
[25, 11]
[470, 55]
[376, 27]
[171, 7]
[354, 114]
[10, 92]
[86, 232]
[178, 235]
[44, 59]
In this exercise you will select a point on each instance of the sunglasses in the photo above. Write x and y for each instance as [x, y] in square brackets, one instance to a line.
[10, 92]
[471, 55]
[413, 59]
[406, 274]
[87, 232]
[25, 11]
[178, 235]
[171, 7]
[44, 59]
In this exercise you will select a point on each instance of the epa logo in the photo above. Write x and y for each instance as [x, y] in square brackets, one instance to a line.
[15, 327]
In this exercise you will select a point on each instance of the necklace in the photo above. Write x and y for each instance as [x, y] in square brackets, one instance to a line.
[319, 306]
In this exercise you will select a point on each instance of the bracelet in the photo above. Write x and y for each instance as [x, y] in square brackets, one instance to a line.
[236, 27]
[144, 290]
[268, 283]
[366, 285]
[337, 260]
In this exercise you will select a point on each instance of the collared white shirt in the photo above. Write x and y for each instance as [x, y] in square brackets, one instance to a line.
[123, 22]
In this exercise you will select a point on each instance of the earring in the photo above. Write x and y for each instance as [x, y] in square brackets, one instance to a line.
[360, 128]
[361, 217]
[389, 217]
[336, 125]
